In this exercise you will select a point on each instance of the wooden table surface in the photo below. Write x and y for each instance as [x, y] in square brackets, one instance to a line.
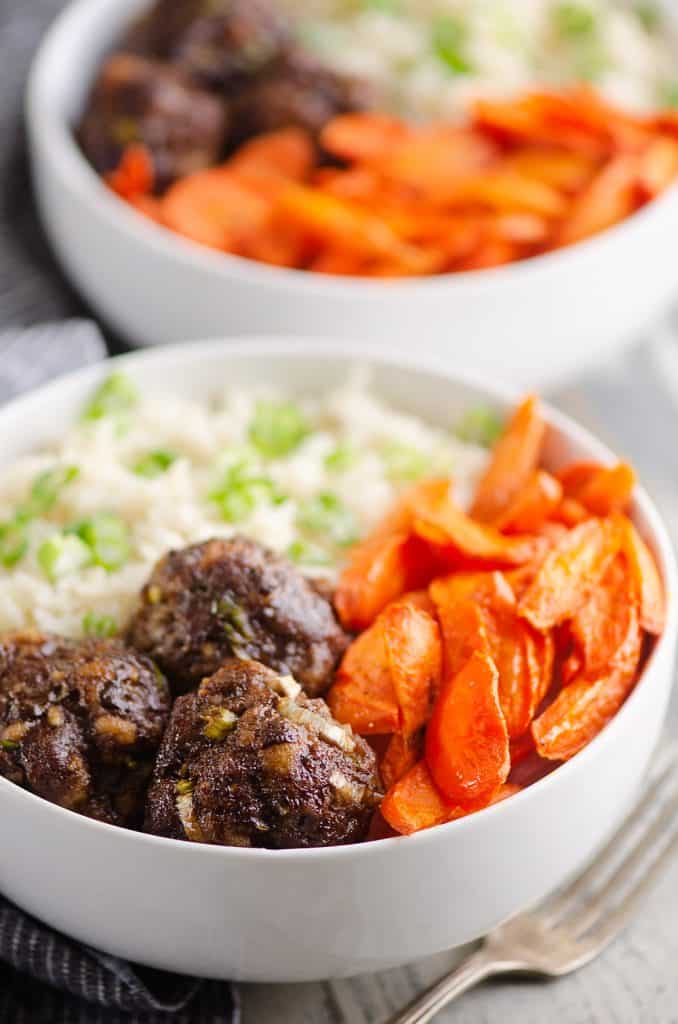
[632, 404]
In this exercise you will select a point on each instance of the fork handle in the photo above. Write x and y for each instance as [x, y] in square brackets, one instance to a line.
[474, 969]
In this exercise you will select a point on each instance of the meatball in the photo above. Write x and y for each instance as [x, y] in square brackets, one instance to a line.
[138, 100]
[80, 723]
[295, 92]
[226, 598]
[249, 760]
[217, 42]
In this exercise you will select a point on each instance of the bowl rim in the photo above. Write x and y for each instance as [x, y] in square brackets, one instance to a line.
[302, 349]
[60, 149]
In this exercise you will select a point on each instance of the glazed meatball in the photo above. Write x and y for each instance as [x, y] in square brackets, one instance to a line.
[226, 598]
[216, 42]
[139, 100]
[80, 723]
[249, 760]
[295, 92]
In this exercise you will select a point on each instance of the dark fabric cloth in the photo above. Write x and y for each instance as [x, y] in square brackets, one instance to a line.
[46, 978]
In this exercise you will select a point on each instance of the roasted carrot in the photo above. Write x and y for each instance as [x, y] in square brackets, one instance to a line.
[364, 137]
[601, 490]
[467, 744]
[608, 199]
[601, 626]
[648, 582]
[585, 706]
[213, 207]
[530, 509]
[514, 459]
[135, 174]
[414, 802]
[570, 571]
[402, 753]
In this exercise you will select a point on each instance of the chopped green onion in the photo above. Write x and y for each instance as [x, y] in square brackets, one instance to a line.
[327, 515]
[403, 462]
[184, 787]
[304, 553]
[13, 543]
[480, 425]
[63, 554]
[649, 15]
[385, 6]
[239, 492]
[45, 492]
[155, 463]
[342, 458]
[277, 428]
[574, 21]
[449, 40]
[99, 625]
[668, 94]
[9, 745]
[107, 538]
[117, 394]
[220, 722]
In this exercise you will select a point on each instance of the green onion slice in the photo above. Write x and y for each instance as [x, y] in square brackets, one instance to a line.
[277, 428]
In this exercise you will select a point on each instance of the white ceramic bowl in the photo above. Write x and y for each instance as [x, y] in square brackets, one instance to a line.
[260, 915]
[532, 322]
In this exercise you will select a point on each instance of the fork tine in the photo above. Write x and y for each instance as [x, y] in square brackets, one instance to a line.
[661, 771]
[620, 917]
[586, 919]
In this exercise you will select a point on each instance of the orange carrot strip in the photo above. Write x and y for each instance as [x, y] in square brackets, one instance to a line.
[402, 753]
[135, 174]
[363, 695]
[585, 706]
[529, 510]
[600, 489]
[285, 155]
[569, 573]
[648, 581]
[414, 653]
[460, 541]
[363, 136]
[601, 626]
[611, 197]
[214, 208]
[467, 745]
[514, 459]
[658, 166]
[414, 802]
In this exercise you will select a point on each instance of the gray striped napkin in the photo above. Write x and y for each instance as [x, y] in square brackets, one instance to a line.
[46, 978]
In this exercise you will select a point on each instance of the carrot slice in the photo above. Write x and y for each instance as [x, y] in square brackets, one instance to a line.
[460, 541]
[214, 208]
[514, 459]
[575, 475]
[570, 512]
[363, 695]
[658, 166]
[379, 571]
[570, 571]
[389, 675]
[415, 803]
[467, 745]
[529, 510]
[286, 155]
[402, 753]
[648, 580]
[585, 706]
[414, 653]
[611, 197]
[601, 489]
[363, 136]
[601, 627]
[135, 174]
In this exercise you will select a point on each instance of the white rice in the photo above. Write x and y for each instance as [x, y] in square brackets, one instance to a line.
[174, 509]
[510, 46]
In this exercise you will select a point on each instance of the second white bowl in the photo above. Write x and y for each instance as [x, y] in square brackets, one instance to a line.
[529, 323]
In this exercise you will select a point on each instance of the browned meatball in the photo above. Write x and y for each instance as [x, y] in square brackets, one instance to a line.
[139, 100]
[216, 42]
[248, 760]
[295, 91]
[80, 722]
[226, 598]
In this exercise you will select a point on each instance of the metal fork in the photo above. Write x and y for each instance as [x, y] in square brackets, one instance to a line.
[571, 928]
